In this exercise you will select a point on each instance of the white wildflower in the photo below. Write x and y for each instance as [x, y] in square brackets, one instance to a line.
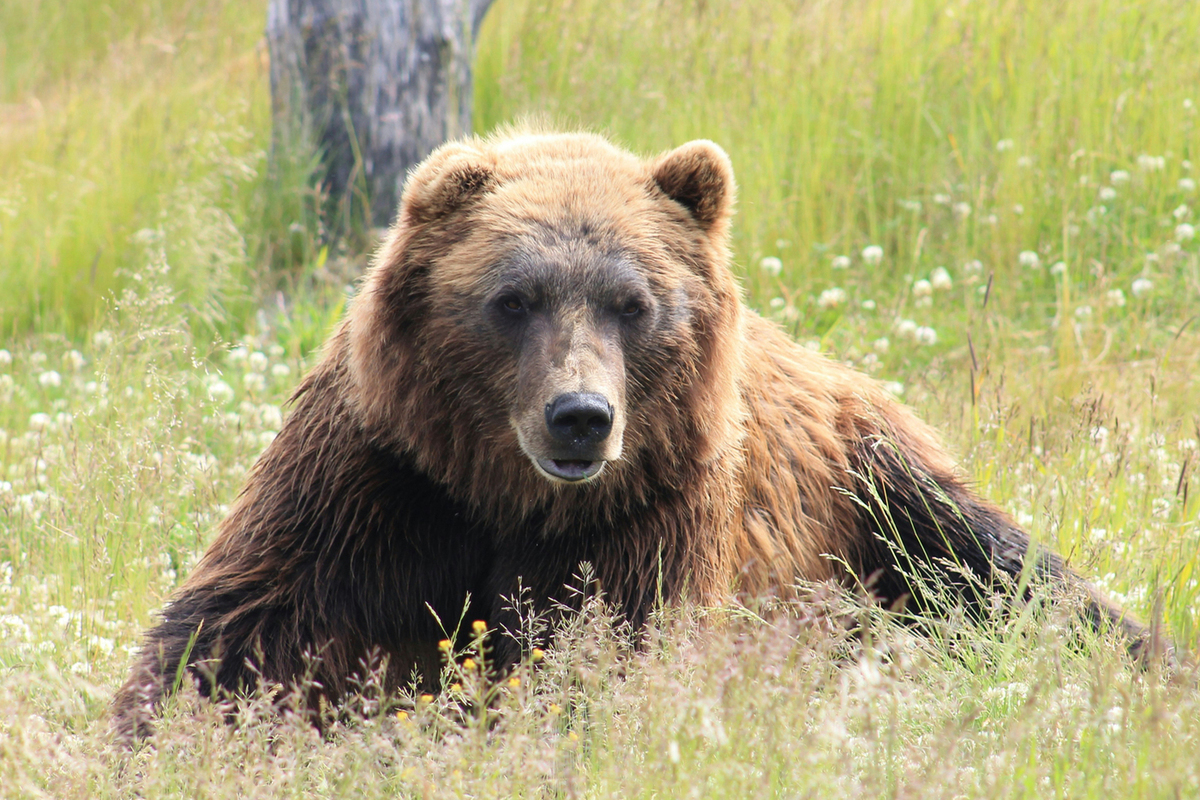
[832, 297]
[1173, 248]
[1142, 287]
[922, 288]
[239, 354]
[102, 340]
[868, 305]
[1003, 145]
[1187, 185]
[872, 254]
[74, 359]
[101, 643]
[1181, 212]
[1083, 312]
[1151, 163]
[146, 236]
[13, 626]
[281, 370]
[1115, 298]
[973, 267]
[1025, 162]
[258, 361]
[1018, 209]
[5, 358]
[962, 210]
[1029, 259]
[881, 344]
[940, 279]
[841, 262]
[777, 303]
[219, 391]
[50, 379]
[39, 421]
[272, 416]
[37, 358]
[942, 199]
[1058, 268]
[895, 387]
[254, 382]
[925, 335]
[905, 328]
[771, 265]
[1107, 193]
[1118, 177]
[1184, 232]
[673, 751]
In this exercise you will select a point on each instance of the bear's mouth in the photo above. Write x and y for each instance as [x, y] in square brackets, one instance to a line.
[570, 470]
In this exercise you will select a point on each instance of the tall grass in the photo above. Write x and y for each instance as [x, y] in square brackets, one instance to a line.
[919, 126]
[123, 123]
[985, 204]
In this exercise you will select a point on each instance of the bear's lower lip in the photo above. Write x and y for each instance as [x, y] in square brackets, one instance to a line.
[570, 469]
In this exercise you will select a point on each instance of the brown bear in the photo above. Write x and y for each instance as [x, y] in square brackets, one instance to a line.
[550, 363]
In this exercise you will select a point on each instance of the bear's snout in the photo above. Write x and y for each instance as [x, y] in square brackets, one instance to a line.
[578, 426]
[579, 420]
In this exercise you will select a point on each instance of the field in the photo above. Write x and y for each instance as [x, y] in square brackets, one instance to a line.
[991, 205]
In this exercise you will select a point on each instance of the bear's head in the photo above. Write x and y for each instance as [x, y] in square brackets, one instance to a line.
[549, 312]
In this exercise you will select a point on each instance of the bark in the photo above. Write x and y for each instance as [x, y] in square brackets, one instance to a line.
[375, 85]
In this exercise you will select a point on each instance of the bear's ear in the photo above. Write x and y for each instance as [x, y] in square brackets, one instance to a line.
[444, 182]
[699, 177]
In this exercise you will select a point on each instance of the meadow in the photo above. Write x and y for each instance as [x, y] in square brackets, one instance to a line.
[990, 205]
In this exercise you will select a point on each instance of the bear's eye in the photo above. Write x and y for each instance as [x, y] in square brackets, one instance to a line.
[631, 308]
[512, 303]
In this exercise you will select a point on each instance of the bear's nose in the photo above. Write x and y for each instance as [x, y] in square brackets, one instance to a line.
[579, 418]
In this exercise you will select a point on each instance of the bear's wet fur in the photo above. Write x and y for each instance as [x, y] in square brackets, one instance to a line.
[550, 363]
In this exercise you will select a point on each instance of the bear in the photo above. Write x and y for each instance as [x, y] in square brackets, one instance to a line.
[550, 363]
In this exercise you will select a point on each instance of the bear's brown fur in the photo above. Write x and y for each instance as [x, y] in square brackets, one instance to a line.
[550, 363]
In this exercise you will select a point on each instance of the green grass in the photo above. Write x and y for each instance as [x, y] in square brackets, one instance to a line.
[162, 288]
[133, 124]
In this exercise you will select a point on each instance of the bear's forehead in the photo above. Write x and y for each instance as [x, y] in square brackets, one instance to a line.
[573, 213]
[571, 258]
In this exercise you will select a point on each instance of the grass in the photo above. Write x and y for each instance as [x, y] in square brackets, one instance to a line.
[164, 287]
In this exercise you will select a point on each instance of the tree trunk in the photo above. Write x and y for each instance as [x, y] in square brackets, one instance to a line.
[375, 85]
